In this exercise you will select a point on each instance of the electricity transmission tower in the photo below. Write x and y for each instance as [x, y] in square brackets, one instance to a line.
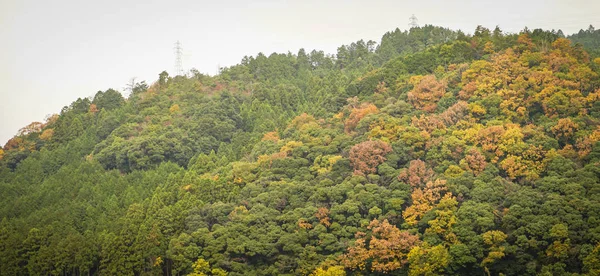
[413, 22]
[178, 59]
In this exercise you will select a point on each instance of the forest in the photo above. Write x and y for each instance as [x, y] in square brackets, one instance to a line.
[431, 152]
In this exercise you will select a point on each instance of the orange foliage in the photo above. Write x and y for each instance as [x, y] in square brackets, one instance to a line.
[366, 156]
[51, 119]
[449, 117]
[13, 143]
[423, 200]
[417, 174]
[584, 144]
[426, 93]
[474, 161]
[93, 108]
[30, 128]
[489, 138]
[525, 41]
[20, 144]
[455, 113]
[304, 224]
[564, 129]
[323, 216]
[385, 249]
[357, 114]
[427, 123]
[271, 136]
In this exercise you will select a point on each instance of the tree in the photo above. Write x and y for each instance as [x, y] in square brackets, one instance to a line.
[366, 156]
[423, 200]
[591, 262]
[384, 250]
[445, 219]
[109, 100]
[163, 77]
[330, 271]
[417, 174]
[494, 240]
[323, 216]
[474, 161]
[426, 93]
[428, 260]
[357, 113]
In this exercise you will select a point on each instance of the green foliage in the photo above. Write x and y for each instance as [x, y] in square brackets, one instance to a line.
[285, 164]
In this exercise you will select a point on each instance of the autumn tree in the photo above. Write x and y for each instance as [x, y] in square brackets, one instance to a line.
[417, 174]
[426, 259]
[330, 271]
[323, 216]
[423, 200]
[445, 219]
[565, 129]
[366, 156]
[494, 240]
[474, 161]
[30, 128]
[426, 93]
[357, 113]
[384, 250]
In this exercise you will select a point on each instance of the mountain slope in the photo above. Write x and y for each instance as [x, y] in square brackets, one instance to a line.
[434, 153]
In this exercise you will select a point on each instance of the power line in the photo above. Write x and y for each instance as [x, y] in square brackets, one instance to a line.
[178, 59]
[413, 22]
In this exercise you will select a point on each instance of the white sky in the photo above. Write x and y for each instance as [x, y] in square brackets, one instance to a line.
[52, 52]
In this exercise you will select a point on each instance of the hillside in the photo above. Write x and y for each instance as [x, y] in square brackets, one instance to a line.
[431, 152]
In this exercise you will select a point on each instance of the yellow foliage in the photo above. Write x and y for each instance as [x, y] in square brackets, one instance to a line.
[423, 200]
[301, 120]
[493, 239]
[237, 211]
[201, 268]
[290, 146]
[331, 271]
[174, 109]
[453, 171]
[324, 163]
[476, 109]
[511, 140]
[302, 223]
[271, 136]
[445, 218]
[428, 260]
[158, 261]
[218, 272]
[47, 134]
[386, 130]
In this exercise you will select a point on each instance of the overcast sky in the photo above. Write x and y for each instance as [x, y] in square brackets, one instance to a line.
[53, 52]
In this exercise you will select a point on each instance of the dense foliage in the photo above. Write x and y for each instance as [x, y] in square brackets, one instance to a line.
[432, 152]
